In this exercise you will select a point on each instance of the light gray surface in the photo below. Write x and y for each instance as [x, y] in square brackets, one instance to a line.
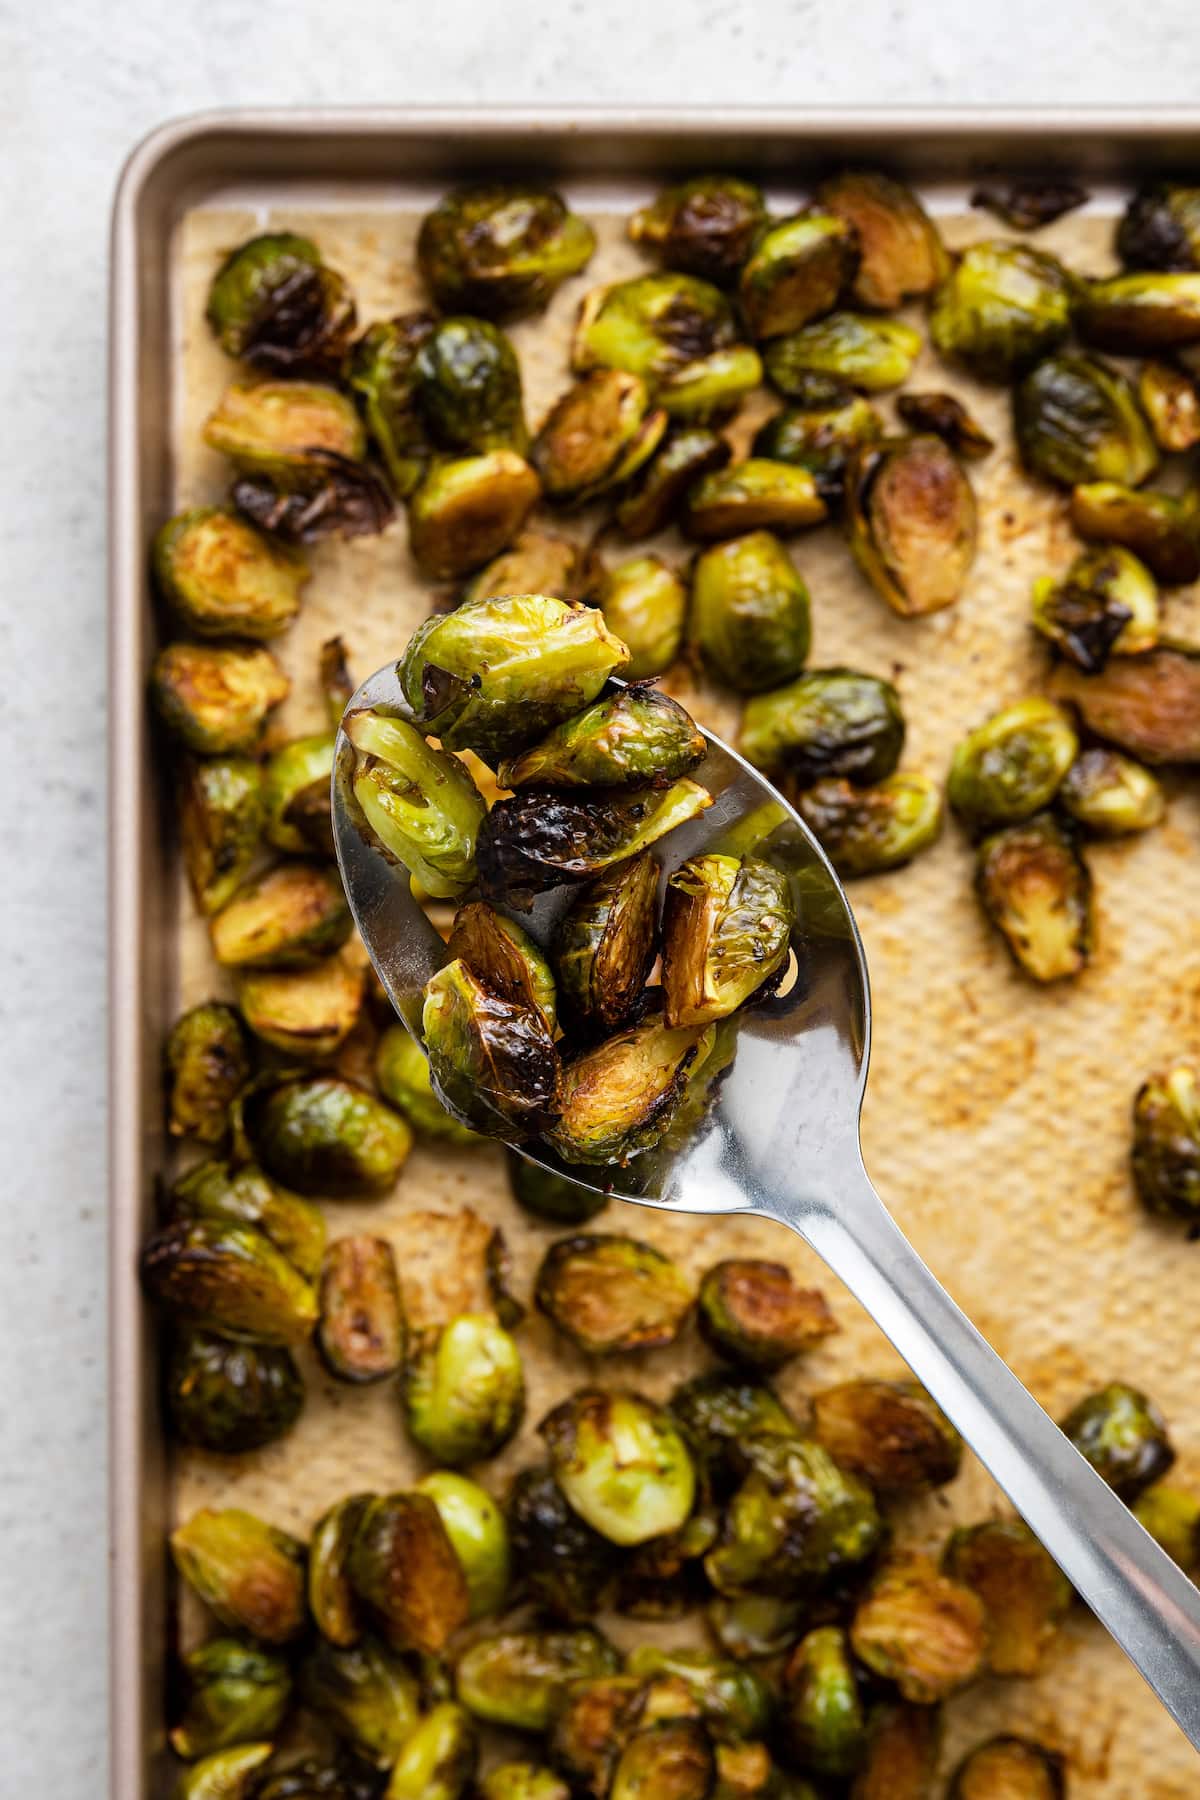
[79, 83]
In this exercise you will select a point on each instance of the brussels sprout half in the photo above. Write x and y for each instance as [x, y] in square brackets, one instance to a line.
[403, 1567]
[596, 436]
[619, 1098]
[865, 831]
[594, 1721]
[1160, 228]
[797, 271]
[366, 1693]
[628, 739]
[226, 1775]
[828, 722]
[501, 248]
[900, 252]
[564, 1566]
[206, 1063]
[360, 1333]
[890, 1433]
[1008, 1768]
[823, 1716]
[220, 819]
[1123, 1435]
[621, 1464]
[331, 1597]
[1001, 307]
[296, 801]
[306, 1013]
[1171, 401]
[493, 1061]
[1140, 314]
[921, 1630]
[948, 419]
[467, 509]
[721, 1414]
[727, 926]
[229, 1279]
[1149, 705]
[275, 303]
[1035, 887]
[234, 1692]
[867, 353]
[1025, 1593]
[1106, 605]
[901, 1752]
[607, 1293]
[476, 1528]
[249, 1574]
[678, 333]
[1172, 1518]
[504, 959]
[215, 698]
[1166, 1142]
[752, 1626]
[1110, 795]
[287, 918]
[704, 226]
[469, 387]
[750, 616]
[539, 562]
[672, 1758]
[1027, 202]
[756, 492]
[522, 1781]
[1077, 420]
[655, 495]
[220, 1193]
[220, 577]
[382, 374]
[911, 522]
[438, 1760]
[420, 803]
[324, 1134]
[229, 1398]
[519, 1678]
[753, 1312]
[464, 1390]
[1013, 764]
[821, 439]
[402, 1077]
[606, 942]
[796, 1524]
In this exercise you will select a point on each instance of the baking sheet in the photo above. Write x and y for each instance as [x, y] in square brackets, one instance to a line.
[996, 1121]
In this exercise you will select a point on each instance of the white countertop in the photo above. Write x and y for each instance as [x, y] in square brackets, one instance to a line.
[81, 83]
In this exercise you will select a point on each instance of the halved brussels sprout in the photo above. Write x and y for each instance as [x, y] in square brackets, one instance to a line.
[464, 1390]
[1161, 529]
[331, 1597]
[1160, 228]
[596, 435]
[553, 1198]
[287, 918]
[752, 493]
[519, 1678]
[366, 1693]
[228, 1397]
[727, 925]
[1106, 605]
[824, 1719]
[215, 697]
[542, 839]
[404, 1569]
[1024, 1592]
[522, 1781]
[900, 252]
[704, 226]
[679, 334]
[735, 1703]
[324, 1134]
[828, 722]
[476, 1528]
[330, 1771]
[229, 1279]
[921, 1630]
[306, 1013]
[1001, 307]
[501, 248]
[670, 1758]
[564, 1566]
[1140, 314]
[865, 831]
[1172, 1517]
[710, 390]
[1077, 420]
[361, 1330]
[1027, 202]
[1035, 888]
[220, 577]
[753, 1312]
[469, 387]
[467, 509]
[948, 419]
[275, 303]
[867, 353]
[504, 958]
[890, 1433]
[219, 1193]
[911, 522]
[1166, 1142]
[420, 803]
[296, 799]
[621, 1463]
[382, 373]
[607, 1293]
[797, 272]
[402, 1077]
[630, 738]
[1171, 402]
[685, 455]
[796, 1524]
[1008, 1768]
[220, 818]
[226, 1775]
[901, 1753]
[619, 1099]
[206, 1063]
[752, 1626]
[721, 1413]
[746, 1772]
[750, 618]
[249, 1574]
[235, 1691]
[606, 943]
[493, 1061]
[1123, 1435]
[1149, 705]
[1110, 795]
[497, 674]
[821, 439]
[540, 562]
[1013, 764]
[438, 1760]
[595, 1719]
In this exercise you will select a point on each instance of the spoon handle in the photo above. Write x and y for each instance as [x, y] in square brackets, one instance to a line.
[1133, 1587]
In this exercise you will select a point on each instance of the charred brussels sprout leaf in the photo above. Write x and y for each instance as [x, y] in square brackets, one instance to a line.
[1035, 888]
[869, 354]
[229, 1398]
[652, 500]
[1008, 1768]
[288, 918]
[220, 818]
[890, 1433]
[948, 419]
[469, 387]
[751, 1626]
[820, 439]
[1110, 795]
[404, 1569]
[226, 1775]
[296, 795]
[1024, 1592]
[1140, 314]
[504, 958]
[1171, 401]
[421, 804]
[1027, 202]
[901, 1753]
[243, 1196]
[501, 249]
[564, 1566]
[522, 1781]
[1166, 1143]
[464, 1390]
[206, 1065]
[249, 1574]
[607, 1293]
[720, 1414]
[402, 1077]
[1149, 705]
[596, 436]
[670, 1758]
[828, 722]
[921, 1630]
[704, 226]
[275, 304]
[215, 697]
[735, 1703]
[796, 272]
[493, 1061]
[757, 492]
[1107, 605]
[235, 1692]
[750, 618]
[678, 333]
[498, 673]
[361, 1330]
[382, 374]
[306, 1013]
[605, 944]
[911, 522]
[1160, 228]
[366, 1693]
[467, 509]
[438, 1760]
[727, 925]
[1000, 308]
[824, 1721]
[476, 1528]
[229, 1279]
[1013, 764]
[753, 1312]
[1077, 420]
[633, 737]
[540, 562]
[331, 1598]
[221, 577]
[1172, 1518]
[900, 252]
[323, 1134]
[553, 1198]
[796, 1524]
[619, 1099]
[519, 1678]
[865, 831]
[1123, 1435]
[621, 1463]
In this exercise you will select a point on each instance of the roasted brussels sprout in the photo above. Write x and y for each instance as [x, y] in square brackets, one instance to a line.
[753, 1312]
[1024, 1592]
[821, 439]
[228, 1397]
[553, 1198]
[220, 818]
[824, 1720]
[367, 1693]
[295, 792]
[220, 577]
[1172, 1518]
[1035, 888]
[704, 226]
[249, 1574]
[493, 1061]
[649, 505]
[206, 1065]
[328, 1771]
[1123, 1435]
[910, 515]
[1160, 228]
[1008, 1768]
[796, 1524]
[869, 354]
[382, 373]
[727, 925]
[670, 1758]
[522, 1781]
[323, 1134]
[1166, 1143]
[1149, 705]
[621, 1463]
[438, 1760]
[900, 252]
[226, 1775]
[607, 1293]
[749, 1627]
[633, 737]
[215, 697]
[797, 272]
[563, 1565]
[619, 1099]
[331, 1597]
[235, 1692]
[519, 1678]
[596, 436]
[275, 304]
[243, 1196]
[750, 620]
[1077, 420]
[1013, 764]
[464, 1390]
[901, 1753]
[469, 387]
[1027, 202]
[948, 419]
[497, 674]
[540, 562]
[678, 333]
[500, 249]
[828, 722]
[595, 1719]
[504, 958]
[890, 1433]
[1171, 401]
[229, 1279]
[467, 509]
[287, 918]
[306, 1013]
[756, 492]
[605, 946]
[1110, 795]
[420, 803]
[735, 1703]
[1140, 314]
[921, 1630]
[402, 1076]
[476, 1528]
[404, 1569]
[1000, 308]
[1161, 529]
[1106, 605]
[720, 1413]
[542, 839]
[865, 831]
[361, 1330]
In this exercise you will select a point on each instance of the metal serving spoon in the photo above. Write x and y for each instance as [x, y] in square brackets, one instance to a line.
[782, 1142]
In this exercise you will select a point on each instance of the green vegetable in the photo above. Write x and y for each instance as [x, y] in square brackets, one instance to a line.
[421, 804]
[229, 1398]
[1013, 764]
[493, 1061]
[753, 493]
[1009, 1768]
[467, 509]
[296, 800]
[229, 1279]
[750, 618]
[1001, 307]
[828, 722]
[821, 439]
[869, 354]
[654, 496]
[1149, 704]
[215, 697]
[1140, 314]
[469, 387]
[621, 1464]
[275, 303]
[221, 577]
[1107, 605]
[607, 1293]
[796, 272]
[565, 1567]
[1024, 1592]
[382, 373]
[889, 1432]
[824, 1720]
[367, 1693]
[1077, 420]
[552, 1198]
[403, 1078]
[438, 1760]
[795, 1525]
[501, 248]
[753, 1312]
[504, 958]
[1123, 1435]
[249, 1574]
[865, 831]
[619, 1099]
[727, 926]
[476, 1528]
[331, 1597]
[206, 1064]
[217, 1192]
[324, 1134]
[911, 522]
[1161, 529]
[519, 1678]
[464, 1391]
[1110, 795]
[704, 226]
[287, 918]
[596, 436]
[220, 818]
[900, 254]
[403, 1567]
[921, 1630]
[361, 1330]
[1035, 888]
[1166, 1142]
[606, 943]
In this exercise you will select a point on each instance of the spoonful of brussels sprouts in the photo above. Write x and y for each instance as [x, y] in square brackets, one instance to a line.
[734, 1082]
